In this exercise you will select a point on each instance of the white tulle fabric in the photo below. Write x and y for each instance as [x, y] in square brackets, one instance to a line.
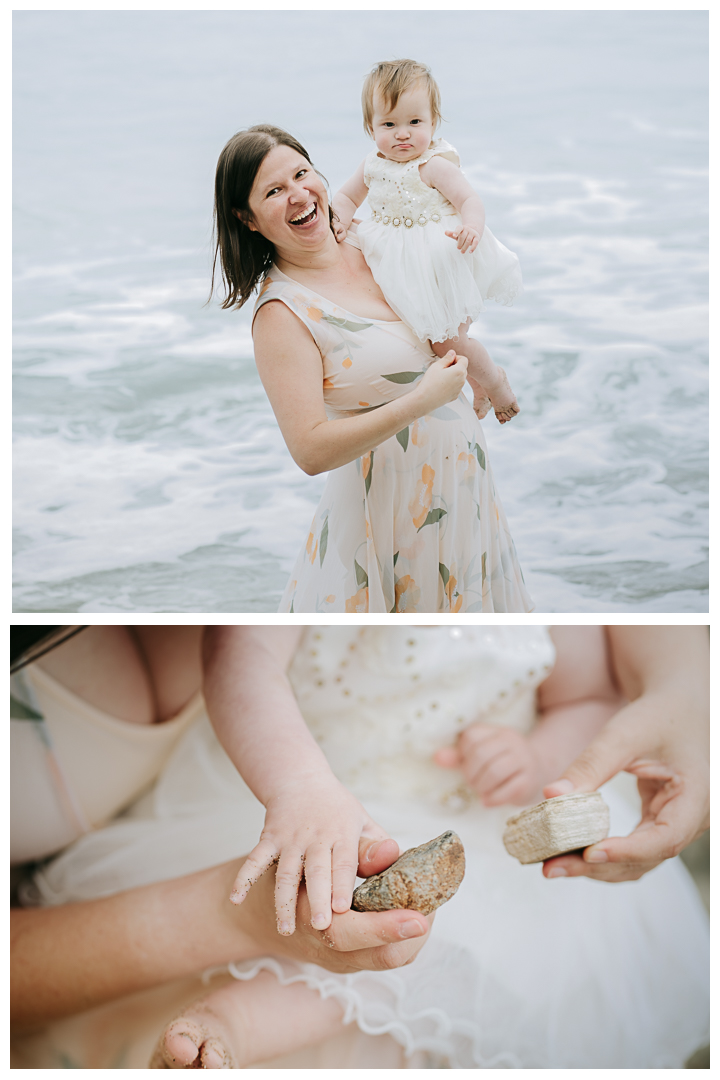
[519, 972]
[427, 281]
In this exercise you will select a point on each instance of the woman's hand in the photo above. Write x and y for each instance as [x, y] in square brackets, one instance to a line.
[313, 826]
[499, 764]
[443, 381]
[662, 738]
[355, 941]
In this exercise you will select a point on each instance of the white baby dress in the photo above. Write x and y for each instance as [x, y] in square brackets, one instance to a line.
[519, 971]
[426, 280]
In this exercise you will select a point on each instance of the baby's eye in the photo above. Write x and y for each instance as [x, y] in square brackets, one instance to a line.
[416, 121]
[388, 123]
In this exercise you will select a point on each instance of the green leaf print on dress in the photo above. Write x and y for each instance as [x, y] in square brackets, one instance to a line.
[323, 541]
[346, 324]
[367, 467]
[404, 376]
[433, 517]
[403, 438]
[361, 577]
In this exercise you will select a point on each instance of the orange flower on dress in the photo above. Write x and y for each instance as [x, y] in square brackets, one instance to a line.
[328, 383]
[420, 505]
[330, 599]
[419, 433]
[314, 313]
[311, 549]
[467, 467]
[366, 465]
[347, 362]
[407, 594]
[358, 604]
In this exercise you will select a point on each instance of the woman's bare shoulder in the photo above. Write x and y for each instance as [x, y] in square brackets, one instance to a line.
[275, 322]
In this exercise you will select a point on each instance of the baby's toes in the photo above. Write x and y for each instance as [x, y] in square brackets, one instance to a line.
[213, 1055]
[179, 1047]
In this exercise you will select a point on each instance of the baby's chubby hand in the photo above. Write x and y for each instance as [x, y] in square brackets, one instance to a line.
[467, 238]
[499, 764]
[312, 827]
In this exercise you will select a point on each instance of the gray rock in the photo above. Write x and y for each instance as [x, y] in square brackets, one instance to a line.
[422, 879]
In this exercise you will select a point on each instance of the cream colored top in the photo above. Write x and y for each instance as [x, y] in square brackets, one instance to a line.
[74, 767]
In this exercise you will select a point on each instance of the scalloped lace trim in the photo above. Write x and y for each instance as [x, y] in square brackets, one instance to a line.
[385, 1012]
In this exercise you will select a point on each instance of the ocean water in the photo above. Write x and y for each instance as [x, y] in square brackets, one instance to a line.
[150, 474]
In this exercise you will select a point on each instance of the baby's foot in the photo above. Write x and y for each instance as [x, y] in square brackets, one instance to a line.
[481, 402]
[209, 1035]
[503, 399]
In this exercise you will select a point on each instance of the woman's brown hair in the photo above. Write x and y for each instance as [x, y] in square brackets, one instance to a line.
[245, 255]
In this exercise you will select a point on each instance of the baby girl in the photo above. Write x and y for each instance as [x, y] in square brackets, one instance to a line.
[420, 201]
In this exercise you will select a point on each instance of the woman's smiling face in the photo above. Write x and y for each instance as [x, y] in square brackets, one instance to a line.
[288, 201]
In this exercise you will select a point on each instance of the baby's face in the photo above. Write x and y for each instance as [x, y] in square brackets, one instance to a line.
[405, 132]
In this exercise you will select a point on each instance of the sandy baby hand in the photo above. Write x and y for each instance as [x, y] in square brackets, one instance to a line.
[312, 828]
[499, 764]
[467, 238]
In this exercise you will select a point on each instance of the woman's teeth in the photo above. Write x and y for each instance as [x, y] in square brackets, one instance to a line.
[305, 216]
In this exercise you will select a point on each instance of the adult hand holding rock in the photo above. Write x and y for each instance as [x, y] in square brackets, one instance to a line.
[662, 738]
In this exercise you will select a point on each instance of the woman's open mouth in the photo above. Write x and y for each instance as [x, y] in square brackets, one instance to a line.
[305, 216]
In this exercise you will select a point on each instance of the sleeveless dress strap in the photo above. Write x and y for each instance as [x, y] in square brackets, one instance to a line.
[440, 148]
[301, 301]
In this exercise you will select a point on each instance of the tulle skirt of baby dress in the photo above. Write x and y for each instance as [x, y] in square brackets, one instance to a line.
[519, 971]
[433, 287]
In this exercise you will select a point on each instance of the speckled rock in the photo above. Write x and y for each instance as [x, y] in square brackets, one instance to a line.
[422, 879]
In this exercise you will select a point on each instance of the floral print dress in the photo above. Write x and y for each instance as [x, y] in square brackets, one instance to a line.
[414, 525]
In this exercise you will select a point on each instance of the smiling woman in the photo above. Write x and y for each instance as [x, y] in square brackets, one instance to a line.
[409, 520]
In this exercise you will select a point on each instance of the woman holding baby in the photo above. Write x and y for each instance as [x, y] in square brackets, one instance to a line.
[409, 520]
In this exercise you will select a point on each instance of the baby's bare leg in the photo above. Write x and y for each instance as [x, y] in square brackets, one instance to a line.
[489, 382]
[244, 1023]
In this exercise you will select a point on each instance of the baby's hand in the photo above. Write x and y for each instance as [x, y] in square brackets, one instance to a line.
[499, 764]
[467, 238]
[339, 229]
[313, 826]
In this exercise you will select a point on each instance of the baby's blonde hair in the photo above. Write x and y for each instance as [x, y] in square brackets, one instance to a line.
[391, 78]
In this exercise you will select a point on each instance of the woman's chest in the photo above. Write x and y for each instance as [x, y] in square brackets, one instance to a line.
[366, 364]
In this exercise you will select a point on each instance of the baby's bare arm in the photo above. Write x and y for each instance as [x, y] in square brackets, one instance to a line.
[350, 197]
[313, 825]
[578, 698]
[447, 178]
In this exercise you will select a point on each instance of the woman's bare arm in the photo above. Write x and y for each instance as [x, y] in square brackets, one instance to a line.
[66, 959]
[290, 367]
